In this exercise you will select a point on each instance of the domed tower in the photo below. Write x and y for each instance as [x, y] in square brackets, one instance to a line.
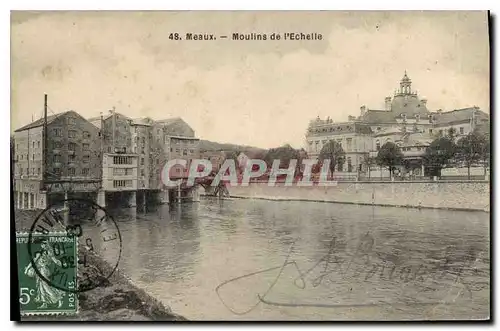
[405, 85]
[406, 102]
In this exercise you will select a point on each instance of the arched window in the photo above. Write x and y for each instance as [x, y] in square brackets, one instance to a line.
[378, 144]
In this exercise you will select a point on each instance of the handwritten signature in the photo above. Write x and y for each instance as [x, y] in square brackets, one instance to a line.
[332, 263]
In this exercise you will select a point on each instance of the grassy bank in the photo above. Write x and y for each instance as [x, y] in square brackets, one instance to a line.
[118, 299]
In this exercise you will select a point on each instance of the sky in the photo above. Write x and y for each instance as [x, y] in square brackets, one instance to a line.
[258, 93]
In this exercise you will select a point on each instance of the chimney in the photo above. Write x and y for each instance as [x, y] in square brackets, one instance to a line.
[362, 110]
[423, 102]
[388, 103]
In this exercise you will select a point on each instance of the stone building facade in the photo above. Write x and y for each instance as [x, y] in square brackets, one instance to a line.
[73, 158]
[103, 155]
[405, 120]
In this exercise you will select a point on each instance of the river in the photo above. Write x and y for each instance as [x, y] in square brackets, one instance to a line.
[356, 262]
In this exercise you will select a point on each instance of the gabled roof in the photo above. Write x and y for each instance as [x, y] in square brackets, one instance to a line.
[458, 115]
[41, 121]
[105, 117]
[378, 116]
[169, 121]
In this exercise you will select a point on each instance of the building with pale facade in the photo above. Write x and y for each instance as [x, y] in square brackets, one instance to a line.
[405, 120]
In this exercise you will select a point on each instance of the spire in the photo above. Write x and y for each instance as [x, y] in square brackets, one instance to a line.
[405, 84]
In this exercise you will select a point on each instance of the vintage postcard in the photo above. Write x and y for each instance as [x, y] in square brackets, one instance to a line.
[251, 165]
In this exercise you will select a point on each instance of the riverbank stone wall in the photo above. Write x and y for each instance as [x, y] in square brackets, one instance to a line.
[442, 195]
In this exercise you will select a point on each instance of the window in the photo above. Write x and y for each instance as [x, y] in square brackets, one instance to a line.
[38, 144]
[72, 146]
[142, 161]
[86, 158]
[171, 149]
[71, 171]
[349, 143]
[71, 121]
[57, 132]
[122, 160]
[378, 145]
[191, 151]
[184, 152]
[38, 171]
[71, 133]
[177, 150]
[21, 171]
[85, 147]
[119, 171]
[349, 164]
[33, 145]
[57, 171]
[461, 130]
[118, 183]
[86, 134]
[430, 131]
[33, 157]
[85, 171]
[33, 171]
[56, 158]
[142, 172]
[71, 158]
[22, 156]
[122, 183]
[440, 132]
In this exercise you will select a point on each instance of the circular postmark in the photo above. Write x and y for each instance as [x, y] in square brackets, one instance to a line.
[66, 246]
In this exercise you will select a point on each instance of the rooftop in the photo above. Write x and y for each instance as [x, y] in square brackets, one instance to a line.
[41, 121]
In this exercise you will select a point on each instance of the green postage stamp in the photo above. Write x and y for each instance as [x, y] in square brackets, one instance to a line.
[47, 272]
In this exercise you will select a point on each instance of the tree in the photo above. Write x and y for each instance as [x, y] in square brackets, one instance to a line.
[451, 134]
[390, 156]
[334, 152]
[369, 162]
[439, 152]
[471, 149]
[284, 153]
[486, 153]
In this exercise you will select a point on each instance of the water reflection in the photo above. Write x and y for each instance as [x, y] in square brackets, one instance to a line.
[182, 253]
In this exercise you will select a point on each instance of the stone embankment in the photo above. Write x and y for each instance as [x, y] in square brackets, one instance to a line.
[117, 299]
[451, 195]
